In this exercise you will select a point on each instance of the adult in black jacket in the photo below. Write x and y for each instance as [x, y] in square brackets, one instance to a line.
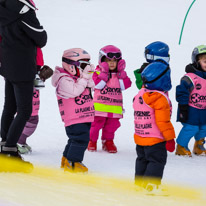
[21, 34]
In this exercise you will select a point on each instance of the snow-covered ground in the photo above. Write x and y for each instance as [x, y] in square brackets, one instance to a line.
[130, 25]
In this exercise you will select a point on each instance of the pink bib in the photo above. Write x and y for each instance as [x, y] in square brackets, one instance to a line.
[35, 103]
[197, 97]
[111, 94]
[144, 116]
[77, 110]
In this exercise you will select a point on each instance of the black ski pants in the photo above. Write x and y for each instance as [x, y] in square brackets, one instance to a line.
[78, 141]
[17, 110]
[151, 161]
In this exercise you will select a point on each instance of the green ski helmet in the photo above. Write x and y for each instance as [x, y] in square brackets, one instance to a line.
[197, 51]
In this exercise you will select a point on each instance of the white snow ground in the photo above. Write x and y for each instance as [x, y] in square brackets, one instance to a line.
[130, 25]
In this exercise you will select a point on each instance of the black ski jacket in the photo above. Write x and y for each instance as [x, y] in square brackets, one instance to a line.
[21, 34]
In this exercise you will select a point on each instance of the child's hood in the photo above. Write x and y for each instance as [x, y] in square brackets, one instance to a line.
[58, 74]
[191, 68]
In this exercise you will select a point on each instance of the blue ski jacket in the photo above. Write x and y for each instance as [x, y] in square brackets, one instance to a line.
[195, 116]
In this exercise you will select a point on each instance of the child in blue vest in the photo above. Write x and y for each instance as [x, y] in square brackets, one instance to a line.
[191, 98]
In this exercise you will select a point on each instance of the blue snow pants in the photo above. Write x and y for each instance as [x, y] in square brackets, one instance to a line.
[188, 131]
[78, 141]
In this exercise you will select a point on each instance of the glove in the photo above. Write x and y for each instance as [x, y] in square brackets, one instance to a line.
[121, 65]
[183, 112]
[104, 71]
[88, 72]
[45, 73]
[121, 74]
[170, 145]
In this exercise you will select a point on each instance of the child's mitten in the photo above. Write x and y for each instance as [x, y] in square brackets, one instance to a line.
[121, 74]
[183, 112]
[88, 72]
[170, 145]
[104, 71]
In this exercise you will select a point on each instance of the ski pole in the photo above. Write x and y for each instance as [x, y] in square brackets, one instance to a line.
[185, 21]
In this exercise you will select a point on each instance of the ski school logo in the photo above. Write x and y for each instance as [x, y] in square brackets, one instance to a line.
[60, 102]
[107, 89]
[80, 100]
[36, 94]
[198, 86]
[195, 98]
[140, 100]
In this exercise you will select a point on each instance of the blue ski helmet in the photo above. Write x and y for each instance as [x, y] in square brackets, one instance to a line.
[156, 76]
[157, 50]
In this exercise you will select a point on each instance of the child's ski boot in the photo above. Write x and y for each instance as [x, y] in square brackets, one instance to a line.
[74, 167]
[38, 83]
[109, 146]
[199, 147]
[63, 161]
[24, 148]
[182, 151]
[156, 190]
[92, 146]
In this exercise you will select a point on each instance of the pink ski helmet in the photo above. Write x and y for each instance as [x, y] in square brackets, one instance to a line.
[109, 52]
[75, 57]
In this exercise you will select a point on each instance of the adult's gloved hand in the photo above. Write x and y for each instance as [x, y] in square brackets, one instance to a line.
[45, 73]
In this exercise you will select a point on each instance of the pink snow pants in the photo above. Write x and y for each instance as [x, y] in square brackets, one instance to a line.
[108, 126]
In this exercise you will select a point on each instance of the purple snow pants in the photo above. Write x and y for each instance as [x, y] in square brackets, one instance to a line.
[29, 129]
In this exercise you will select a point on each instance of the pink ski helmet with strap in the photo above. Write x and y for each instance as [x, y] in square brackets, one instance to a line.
[109, 52]
[75, 57]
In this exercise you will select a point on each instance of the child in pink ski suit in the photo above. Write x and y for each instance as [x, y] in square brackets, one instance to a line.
[73, 85]
[110, 80]
[31, 125]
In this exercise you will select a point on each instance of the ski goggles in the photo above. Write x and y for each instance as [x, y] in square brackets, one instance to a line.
[79, 64]
[153, 57]
[111, 55]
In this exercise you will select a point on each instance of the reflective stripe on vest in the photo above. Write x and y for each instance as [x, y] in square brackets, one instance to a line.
[109, 99]
[108, 108]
